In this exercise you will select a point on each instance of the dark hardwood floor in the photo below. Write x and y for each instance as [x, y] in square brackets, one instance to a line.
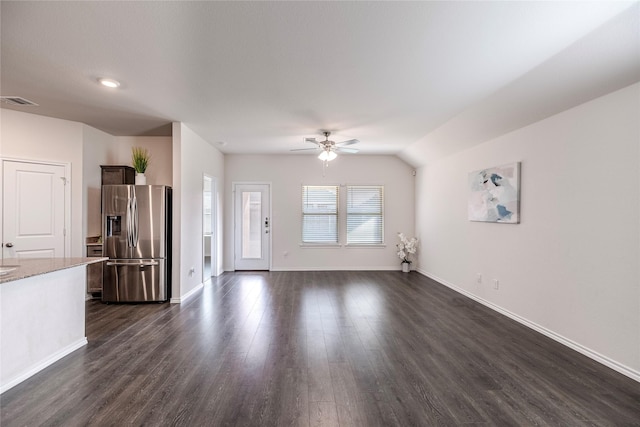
[319, 348]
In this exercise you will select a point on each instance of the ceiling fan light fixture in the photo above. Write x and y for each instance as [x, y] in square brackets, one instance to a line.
[327, 155]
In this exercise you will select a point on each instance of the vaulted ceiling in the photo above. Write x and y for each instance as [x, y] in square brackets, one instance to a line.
[415, 79]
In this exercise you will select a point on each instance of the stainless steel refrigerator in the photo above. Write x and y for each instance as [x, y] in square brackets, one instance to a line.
[136, 235]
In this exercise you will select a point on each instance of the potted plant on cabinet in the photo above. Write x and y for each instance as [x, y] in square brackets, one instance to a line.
[406, 248]
[140, 159]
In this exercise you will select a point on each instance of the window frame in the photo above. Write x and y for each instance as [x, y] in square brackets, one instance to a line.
[380, 214]
[341, 215]
[336, 214]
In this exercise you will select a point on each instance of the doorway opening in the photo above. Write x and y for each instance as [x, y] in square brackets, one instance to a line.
[209, 221]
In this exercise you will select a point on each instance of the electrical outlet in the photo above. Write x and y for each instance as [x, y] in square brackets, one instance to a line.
[479, 278]
[496, 284]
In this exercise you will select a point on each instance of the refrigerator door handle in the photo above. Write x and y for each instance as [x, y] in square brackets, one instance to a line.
[129, 223]
[134, 234]
[131, 264]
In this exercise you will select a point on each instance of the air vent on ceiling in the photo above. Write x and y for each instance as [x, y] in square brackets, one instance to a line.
[16, 100]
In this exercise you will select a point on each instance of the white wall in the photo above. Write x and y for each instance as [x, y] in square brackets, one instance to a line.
[287, 174]
[160, 170]
[97, 150]
[32, 137]
[192, 158]
[571, 268]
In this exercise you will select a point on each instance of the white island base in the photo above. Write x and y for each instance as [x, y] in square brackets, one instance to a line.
[42, 319]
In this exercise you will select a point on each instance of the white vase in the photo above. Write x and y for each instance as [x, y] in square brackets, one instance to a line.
[141, 179]
[406, 267]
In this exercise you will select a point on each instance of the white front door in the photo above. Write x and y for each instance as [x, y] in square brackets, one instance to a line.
[252, 226]
[34, 209]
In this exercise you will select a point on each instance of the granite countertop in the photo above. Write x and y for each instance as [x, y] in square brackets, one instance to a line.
[27, 267]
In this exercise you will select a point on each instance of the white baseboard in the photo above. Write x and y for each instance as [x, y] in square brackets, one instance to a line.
[616, 366]
[325, 268]
[186, 296]
[34, 369]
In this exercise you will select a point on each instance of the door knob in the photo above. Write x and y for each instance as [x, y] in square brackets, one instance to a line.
[9, 245]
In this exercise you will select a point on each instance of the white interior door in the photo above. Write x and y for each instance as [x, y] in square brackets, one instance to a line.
[252, 226]
[33, 205]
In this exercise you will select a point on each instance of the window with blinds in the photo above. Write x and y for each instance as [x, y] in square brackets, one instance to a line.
[365, 214]
[319, 214]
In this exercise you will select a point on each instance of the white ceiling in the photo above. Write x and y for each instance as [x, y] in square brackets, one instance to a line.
[261, 76]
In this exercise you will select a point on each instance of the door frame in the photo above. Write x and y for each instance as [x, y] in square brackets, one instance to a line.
[234, 185]
[67, 198]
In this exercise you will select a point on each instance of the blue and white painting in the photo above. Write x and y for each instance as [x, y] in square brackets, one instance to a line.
[494, 194]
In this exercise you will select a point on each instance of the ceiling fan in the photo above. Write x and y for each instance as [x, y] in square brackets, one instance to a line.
[329, 148]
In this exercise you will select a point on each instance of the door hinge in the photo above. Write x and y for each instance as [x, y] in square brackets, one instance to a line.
[64, 180]
[64, 231]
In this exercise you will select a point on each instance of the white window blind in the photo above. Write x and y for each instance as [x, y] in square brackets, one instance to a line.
[319, 214]
[365, 214]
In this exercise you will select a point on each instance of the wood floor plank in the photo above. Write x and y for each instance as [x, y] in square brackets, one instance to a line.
[345, 348]
[355, 408]
[319, 375]
[323, 414]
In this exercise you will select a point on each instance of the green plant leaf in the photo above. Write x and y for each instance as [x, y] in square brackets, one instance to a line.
[140, 159]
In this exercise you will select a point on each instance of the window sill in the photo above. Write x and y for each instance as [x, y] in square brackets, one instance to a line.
[338, 245]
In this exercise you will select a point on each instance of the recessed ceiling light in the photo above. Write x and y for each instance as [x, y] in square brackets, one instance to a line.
[109, 83]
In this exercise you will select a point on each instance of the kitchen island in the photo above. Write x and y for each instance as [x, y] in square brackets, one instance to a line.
[42, 314]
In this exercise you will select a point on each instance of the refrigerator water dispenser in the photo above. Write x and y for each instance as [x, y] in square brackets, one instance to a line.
[113, 225]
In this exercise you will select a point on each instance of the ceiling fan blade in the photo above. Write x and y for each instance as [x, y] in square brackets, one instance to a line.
[349, 142]
[304, 149]
[311, 140]
[346, 150]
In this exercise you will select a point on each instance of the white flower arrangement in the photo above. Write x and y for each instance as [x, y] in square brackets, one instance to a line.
[406, 247]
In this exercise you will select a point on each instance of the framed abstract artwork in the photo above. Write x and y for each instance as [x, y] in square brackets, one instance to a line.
[494, 194]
